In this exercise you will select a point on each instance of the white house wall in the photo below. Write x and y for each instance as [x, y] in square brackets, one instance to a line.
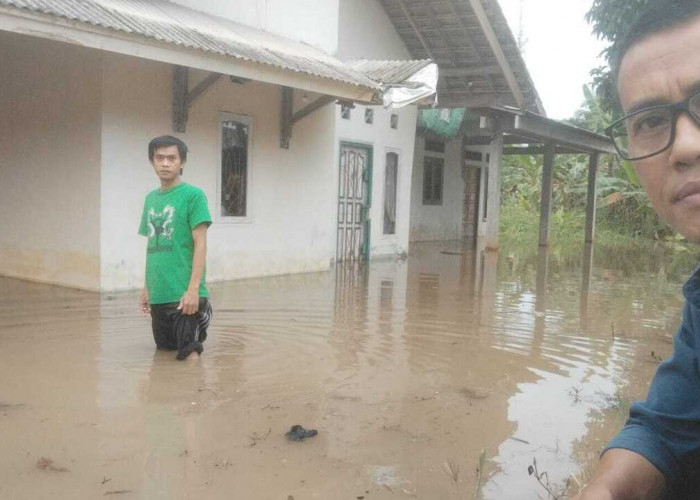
[365, 32]
[290, 227]
[49, 161]
[438, 222]
[311, 21]
[383, 139]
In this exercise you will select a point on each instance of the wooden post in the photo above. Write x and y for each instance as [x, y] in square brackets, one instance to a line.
[586, 283]
[180, 90]
[493, 190]
[546, 197]
[541, 280]
[286, 112]
[587, 268]
[591, 201]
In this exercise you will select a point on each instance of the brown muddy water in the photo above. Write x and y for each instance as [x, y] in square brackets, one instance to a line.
[443, 376]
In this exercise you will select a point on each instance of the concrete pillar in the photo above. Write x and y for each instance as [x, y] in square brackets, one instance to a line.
[541, 280]
[546, 196]
[493, 187]
[591, 200]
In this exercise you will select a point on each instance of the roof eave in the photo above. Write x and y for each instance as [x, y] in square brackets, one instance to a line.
[76, 33]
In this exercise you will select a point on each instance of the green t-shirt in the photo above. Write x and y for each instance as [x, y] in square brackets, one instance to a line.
[168, 220]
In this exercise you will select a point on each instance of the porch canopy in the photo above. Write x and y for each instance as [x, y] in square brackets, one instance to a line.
[479, 59]
[482, 69]
[162, 31]
[531, 134]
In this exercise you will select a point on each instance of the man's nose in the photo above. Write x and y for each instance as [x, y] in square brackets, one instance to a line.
[686, 145]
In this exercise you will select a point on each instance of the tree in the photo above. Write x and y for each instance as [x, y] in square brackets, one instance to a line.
[610, 20]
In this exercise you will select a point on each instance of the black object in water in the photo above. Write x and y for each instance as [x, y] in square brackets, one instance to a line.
[298, 433]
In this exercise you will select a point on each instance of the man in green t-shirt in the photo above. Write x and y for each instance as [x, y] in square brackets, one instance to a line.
[175, 220]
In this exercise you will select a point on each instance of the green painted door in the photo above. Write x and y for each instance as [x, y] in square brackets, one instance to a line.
[354, 200]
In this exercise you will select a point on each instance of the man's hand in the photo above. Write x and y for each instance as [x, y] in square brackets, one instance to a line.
[144, 305]
[623, 474]
[189, 303]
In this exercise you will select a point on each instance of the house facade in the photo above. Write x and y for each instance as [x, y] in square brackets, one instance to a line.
[279, 102]
[83, 102]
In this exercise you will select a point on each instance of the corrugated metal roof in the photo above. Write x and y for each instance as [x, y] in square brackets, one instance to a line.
[388, 72]
[173, 24]
[449, 33]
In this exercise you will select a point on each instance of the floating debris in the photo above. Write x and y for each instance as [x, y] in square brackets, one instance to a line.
[47, 464]
[298, 433]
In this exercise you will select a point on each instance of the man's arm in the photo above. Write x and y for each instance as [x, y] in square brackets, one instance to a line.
[622, 475]
[144, 300]
[144, 305]
[190, 301]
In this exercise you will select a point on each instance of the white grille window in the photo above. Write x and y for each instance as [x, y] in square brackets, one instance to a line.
[235, 148]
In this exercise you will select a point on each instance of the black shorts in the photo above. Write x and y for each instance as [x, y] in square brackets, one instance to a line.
[184, 333]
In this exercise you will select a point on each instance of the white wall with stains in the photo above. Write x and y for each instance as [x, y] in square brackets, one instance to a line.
[365, 32]
[310, 21]
[444, 221]
[290, 224]
[382, 139]
[50, 161]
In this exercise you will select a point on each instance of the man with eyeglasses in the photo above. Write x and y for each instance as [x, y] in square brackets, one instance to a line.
[656, 454]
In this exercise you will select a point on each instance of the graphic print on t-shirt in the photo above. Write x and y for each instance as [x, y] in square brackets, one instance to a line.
[160, 230]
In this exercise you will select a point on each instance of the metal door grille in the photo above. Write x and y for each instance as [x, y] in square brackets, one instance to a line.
[352, 201]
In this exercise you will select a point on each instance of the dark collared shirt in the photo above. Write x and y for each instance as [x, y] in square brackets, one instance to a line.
[665, 429]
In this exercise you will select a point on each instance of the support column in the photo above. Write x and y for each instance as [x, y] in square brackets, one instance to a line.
[546, 196]
[586, 283]
[591, 201]
[493, 190]
[541, 280]
[179, 89]
[286, 112]
[587, 268]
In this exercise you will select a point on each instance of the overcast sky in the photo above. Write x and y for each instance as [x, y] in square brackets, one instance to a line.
[560, 50]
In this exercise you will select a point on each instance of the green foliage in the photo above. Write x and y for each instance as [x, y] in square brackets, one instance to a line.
[623, 206]
[624, 211]
[615, 243]
[592, 115]
[610, 20]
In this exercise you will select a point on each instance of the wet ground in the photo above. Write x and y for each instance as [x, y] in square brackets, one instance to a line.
[443, 376]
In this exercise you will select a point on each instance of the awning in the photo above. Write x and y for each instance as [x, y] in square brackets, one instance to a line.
[402, 82]
[479, 58]
[167, 32]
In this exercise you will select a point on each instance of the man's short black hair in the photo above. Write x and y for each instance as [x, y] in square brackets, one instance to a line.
[165, 141]
[660, 16]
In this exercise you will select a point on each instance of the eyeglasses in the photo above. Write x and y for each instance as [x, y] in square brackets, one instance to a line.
[652, 130]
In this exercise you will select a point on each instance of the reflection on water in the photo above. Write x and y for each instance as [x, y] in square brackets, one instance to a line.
[410, 370]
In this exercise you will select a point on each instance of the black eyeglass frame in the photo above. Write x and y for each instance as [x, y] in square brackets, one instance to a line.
[676, 109]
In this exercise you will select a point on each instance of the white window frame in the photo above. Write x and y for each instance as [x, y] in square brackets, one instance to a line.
[229, 219]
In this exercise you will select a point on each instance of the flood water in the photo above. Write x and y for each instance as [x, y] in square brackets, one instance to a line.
[443, 376]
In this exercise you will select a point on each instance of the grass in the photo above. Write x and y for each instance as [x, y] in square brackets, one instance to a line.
[519, 232]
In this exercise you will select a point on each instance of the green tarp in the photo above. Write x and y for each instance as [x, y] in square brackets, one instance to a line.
[445, 122]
